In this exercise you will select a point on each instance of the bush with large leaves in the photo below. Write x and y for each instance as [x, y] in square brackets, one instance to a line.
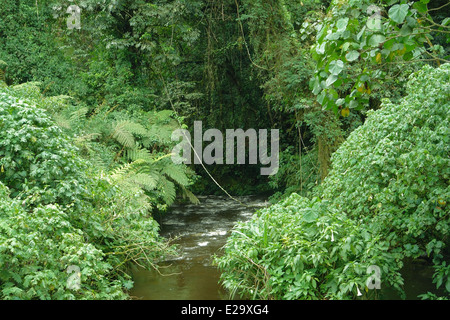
[34, 156]
[394, 171]
[384, 200]
[56, 212]
[37, 247]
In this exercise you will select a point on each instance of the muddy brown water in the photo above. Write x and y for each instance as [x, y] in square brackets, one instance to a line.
[202, 230]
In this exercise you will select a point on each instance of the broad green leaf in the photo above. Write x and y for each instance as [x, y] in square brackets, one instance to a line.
[359, 35]
[420, 6]
[331, 79]
[345, 46]
[316, 86]
[374, 24]
[408, 56]
[321, 97]
[398, 12]
[352, 55]
[342, 24]
[353, 104]
[412, 22]
[321, 49]
[376, 39]
[388, 44]
[334, 35]
[336, 67]
[405, 30]
[309, 215]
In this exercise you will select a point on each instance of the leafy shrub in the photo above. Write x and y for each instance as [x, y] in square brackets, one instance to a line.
[301, 249]
[62, 212]
[385, 199]
[35, 158]
[36, 249]
[395, 170]
[119, 222]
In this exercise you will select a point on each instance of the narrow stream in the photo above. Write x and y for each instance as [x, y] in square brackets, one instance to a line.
[201, 230]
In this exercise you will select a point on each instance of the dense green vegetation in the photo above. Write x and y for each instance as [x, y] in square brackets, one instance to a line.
[57, 211]
[383, 200]
[358, 89]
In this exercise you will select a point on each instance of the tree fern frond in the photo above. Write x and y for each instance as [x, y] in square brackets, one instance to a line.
[168, 191]
[176, 173]
[139, 153]
[78, 114]
[188, 194]
[62, 122]
[118, 174]
[31, 87]
[97, 161]
[126, 170]
[135, 128]
[161, 133]
[84, 143]
[147, 142]
[145, 181]
[164, 115]
[122, 135]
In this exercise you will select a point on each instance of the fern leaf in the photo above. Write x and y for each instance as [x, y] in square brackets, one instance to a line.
[135, 128]
[79, 114]
[176, 173]
[139, 153]
[161, 133]
[62, 122]
[145, 181]
[164, 115]
[122, 135]
[168, 191]
[126, 170]
[97, 160]
[188, 194]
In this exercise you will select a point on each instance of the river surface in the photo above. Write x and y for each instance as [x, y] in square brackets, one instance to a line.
[200, 231]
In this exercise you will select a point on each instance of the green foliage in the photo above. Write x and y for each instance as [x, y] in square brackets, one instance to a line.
[116, 116]
[406, 147]
[29, 47]
[118, 220]
[133, 147]
[95, 223]
[361, 44]
[385, 199]
[296, 175]
[87, 138]
[158, 177]
[36, 249]
[37, 161]
[303, 249]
